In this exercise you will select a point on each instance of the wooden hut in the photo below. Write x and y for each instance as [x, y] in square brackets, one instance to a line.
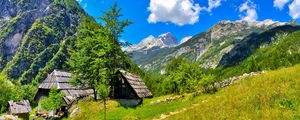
[61, 80]
[129, 88]
[20, 109]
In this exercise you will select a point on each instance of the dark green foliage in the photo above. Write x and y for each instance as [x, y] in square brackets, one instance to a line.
[6, 93]
[54, 101]
[181, 77]
[57, 62]
[25, 92]
[96, 55]
[9, 91]
[39, 62]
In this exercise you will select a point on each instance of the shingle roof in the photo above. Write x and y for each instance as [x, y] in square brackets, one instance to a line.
[61, 80]
[58, 79]
[20, 107]
[137, 84]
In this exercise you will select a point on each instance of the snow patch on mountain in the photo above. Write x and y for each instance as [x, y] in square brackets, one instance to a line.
[163, 40]
[184, 39]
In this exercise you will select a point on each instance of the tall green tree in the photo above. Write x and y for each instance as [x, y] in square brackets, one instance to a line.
[115, 27]
[96, 54]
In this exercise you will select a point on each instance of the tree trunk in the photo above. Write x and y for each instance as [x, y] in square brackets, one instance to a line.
[95, 94]
[175, 88]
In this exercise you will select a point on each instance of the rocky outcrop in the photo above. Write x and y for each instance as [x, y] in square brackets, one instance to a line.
[232, 80]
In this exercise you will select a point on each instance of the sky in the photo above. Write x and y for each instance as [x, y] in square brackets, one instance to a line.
[190, 17]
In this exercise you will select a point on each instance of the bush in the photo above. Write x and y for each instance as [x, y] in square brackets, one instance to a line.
[54, 101]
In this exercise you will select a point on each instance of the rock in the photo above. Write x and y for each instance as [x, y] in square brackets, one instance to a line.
[8, 117]
[75, 112]
[235, 79]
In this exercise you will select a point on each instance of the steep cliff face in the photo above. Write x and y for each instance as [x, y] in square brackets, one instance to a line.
[18, 17]
[34, 33]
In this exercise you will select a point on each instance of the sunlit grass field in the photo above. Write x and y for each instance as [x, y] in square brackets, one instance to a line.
[272, 95]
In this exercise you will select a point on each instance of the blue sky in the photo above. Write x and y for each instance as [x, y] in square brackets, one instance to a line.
[190, 17]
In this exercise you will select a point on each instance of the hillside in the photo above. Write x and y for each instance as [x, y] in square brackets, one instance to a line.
[35, 35]
[282, 50]
[272, 95]
[209, 48]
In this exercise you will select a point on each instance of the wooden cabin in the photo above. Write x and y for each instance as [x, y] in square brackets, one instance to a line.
[61, 80]
[21, 109]
[129, 89]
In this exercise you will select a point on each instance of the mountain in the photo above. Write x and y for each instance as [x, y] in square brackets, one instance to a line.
[184, 39]
[150, 47]
[35, 35]
[163, 40]
[209, 47]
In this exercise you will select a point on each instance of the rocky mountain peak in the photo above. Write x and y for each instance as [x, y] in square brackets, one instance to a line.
[168, 39]
[163, 40]
[226, 27]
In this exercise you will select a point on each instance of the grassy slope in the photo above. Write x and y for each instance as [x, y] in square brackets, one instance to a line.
[273, 95]
[94, 110]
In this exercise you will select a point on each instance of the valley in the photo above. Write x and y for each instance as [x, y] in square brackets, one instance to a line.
[73, 60]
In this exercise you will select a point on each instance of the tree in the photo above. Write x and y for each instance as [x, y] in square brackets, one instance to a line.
[115, 27]
[96, 55]
[6, 92]
[182, 76]
[54, 101]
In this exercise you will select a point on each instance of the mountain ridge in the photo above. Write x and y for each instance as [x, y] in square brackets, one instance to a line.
[206, 48]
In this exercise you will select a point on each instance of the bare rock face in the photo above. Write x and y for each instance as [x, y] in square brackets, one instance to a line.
[32, 32]
[227, 28]
[20, 15]
[206, 48]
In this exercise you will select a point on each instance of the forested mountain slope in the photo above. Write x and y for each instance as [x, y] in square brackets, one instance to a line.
[35, 35]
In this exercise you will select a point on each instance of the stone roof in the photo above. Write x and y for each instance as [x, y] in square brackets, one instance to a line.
[137, 84]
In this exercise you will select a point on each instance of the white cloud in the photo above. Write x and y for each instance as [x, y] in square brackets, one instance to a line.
[179, 12]
[248, 11]
[212, 4]
[295, 9]
[280, 3]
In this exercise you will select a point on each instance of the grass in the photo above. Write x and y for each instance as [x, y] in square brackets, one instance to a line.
[94, 110]
[274, 95]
